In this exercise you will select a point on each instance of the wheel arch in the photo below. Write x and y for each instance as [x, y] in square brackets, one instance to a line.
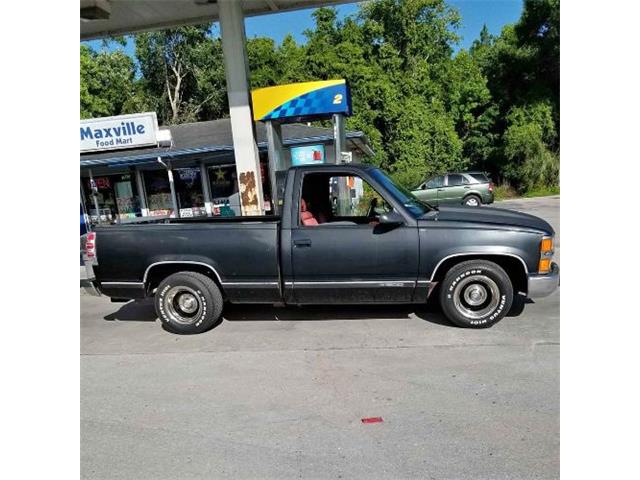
[513, 265]
[158, 271]
[472, 193]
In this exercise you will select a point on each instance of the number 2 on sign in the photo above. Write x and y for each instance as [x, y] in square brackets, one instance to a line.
[337, 100]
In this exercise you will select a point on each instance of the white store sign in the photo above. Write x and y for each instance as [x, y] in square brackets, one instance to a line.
[124, 131]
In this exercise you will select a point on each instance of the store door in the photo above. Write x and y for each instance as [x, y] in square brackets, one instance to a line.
[126, 200]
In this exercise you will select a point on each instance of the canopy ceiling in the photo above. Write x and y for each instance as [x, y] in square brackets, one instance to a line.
[101, 18]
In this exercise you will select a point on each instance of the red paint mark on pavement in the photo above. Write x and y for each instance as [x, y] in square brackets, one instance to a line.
[372, 420]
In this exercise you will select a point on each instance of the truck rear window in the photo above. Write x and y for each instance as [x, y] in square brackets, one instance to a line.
[480, 177]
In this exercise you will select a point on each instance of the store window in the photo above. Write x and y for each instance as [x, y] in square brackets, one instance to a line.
[225, 196]
[158, 193]
[188, 184]
[224, 190]
[116, 195]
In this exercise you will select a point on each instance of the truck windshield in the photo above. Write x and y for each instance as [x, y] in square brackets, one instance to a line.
[401, 194]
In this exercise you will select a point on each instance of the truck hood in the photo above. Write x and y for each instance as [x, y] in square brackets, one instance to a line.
[488, 216]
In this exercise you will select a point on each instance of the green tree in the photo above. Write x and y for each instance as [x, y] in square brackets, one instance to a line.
[481, 47]
[522, 66]
[264, 62]
[291, 58]
[469, 102]
[424, 109]
[182, 68]
[393, 55]
[528, 162]
[106, 82]
[423, 142]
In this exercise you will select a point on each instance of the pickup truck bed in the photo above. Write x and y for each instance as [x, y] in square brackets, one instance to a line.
[243, 256]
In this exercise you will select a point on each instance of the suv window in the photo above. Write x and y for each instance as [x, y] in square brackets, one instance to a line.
[454, 180]
[436, 182]
[480, 177]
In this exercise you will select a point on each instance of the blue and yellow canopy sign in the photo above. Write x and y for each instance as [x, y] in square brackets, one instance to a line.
[297, 100]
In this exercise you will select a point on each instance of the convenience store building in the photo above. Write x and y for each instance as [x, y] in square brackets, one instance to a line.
[131, 168]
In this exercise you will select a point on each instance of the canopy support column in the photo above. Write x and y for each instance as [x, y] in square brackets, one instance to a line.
[242, 128]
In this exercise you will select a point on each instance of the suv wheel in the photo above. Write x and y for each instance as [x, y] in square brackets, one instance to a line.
[476, 294]
[472, 201]
[188, 302]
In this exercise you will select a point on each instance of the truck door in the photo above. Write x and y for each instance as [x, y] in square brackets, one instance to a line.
[340, 251]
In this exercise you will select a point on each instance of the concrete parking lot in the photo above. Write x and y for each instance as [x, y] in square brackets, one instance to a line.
[280, 392]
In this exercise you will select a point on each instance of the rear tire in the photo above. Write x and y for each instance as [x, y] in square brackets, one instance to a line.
[472, 201]
[188, 303]
[476, 294]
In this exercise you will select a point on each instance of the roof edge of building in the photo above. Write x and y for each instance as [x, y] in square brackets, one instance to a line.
[150, 157]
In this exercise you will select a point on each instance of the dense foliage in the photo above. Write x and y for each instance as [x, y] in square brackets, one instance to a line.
[425, 109]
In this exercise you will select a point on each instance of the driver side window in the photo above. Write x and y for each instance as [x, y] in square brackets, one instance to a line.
[361, 200]
[339, 199]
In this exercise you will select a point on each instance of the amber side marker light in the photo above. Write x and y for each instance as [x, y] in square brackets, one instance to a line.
[546, 253]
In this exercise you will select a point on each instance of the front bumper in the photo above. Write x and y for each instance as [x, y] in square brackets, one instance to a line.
[544, 285]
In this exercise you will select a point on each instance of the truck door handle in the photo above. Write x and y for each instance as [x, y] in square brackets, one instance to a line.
[305, 242]
[467, 188]
[441, 189]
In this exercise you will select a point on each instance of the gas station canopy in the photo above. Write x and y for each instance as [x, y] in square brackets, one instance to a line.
[102, 18]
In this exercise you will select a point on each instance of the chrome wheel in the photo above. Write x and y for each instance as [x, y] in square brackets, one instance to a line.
[183, 304]
[472, 202]
[476, 296]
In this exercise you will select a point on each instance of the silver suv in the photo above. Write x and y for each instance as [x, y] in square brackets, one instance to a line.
[470, 188]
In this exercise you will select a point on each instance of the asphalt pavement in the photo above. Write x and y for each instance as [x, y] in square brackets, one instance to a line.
[281, 392]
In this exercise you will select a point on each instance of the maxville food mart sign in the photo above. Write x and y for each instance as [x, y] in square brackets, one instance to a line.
[124, 131]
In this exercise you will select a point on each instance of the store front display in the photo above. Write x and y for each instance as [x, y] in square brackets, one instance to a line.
[126, 201]
[224, 190]
[188, 185]
[158, 193]
[116, 195]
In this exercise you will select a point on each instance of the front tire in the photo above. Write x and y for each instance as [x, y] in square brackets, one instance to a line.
[472, 201]
[517, 306]
[188, 303]
[476, 294]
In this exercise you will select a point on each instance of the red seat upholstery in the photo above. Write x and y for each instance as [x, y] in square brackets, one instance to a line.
[306, 217]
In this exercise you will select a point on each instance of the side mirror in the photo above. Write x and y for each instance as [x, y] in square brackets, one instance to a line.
[391, 218]
[423, 186]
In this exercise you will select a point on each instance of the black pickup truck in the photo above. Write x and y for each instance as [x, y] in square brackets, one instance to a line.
[377, 244]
